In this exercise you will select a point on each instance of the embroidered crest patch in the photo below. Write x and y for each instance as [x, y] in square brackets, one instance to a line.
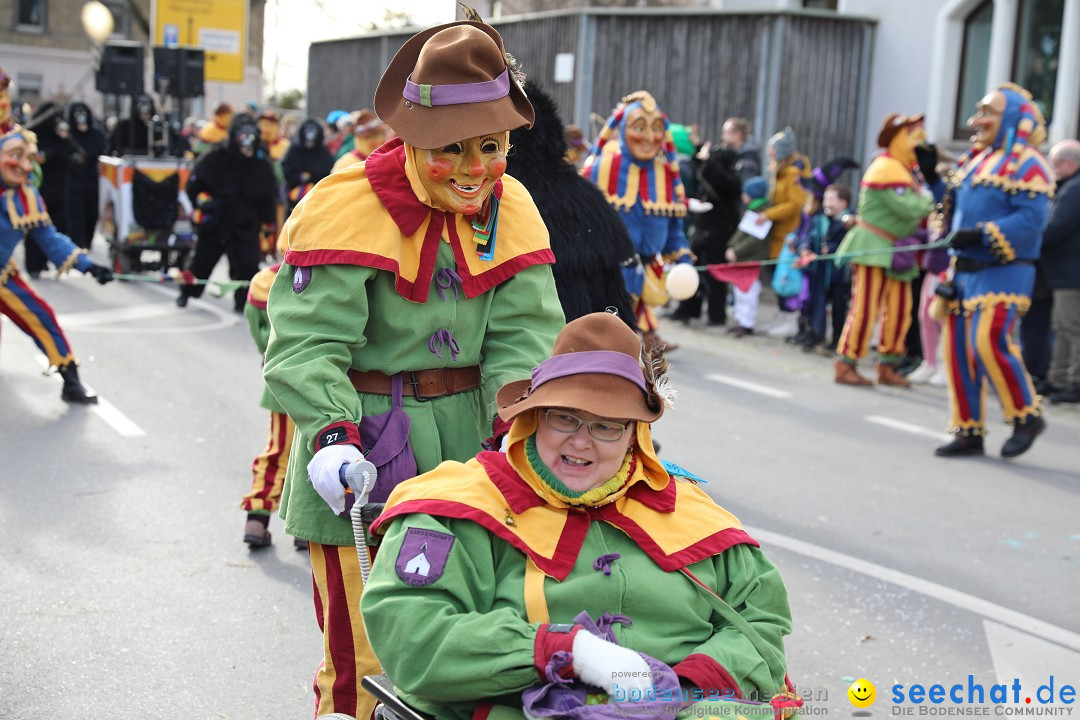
[422, 557]
[300, 279]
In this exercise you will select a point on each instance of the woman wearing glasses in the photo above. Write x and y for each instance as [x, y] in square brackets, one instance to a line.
[574, 559]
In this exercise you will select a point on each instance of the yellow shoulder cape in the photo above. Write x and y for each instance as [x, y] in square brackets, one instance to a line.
[368, 215]
[675, 523]
[887, 172]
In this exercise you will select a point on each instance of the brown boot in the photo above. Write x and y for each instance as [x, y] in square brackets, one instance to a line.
[846, 374]
[887, 375]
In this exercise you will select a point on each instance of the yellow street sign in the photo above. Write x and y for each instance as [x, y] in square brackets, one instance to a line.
[219, 27]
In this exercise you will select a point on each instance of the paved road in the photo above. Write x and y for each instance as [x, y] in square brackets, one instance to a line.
[128, 592]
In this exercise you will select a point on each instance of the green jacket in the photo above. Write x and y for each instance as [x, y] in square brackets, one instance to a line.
[259, 326]
[895, 205]
[465, 638]
[746, 247]
[352, 317]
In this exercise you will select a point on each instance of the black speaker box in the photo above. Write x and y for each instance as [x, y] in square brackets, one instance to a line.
[183, 68]
[121, 70]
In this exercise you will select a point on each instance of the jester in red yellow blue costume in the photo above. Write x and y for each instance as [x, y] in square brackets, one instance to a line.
[23, 213]
[997, 203]
[633, 163]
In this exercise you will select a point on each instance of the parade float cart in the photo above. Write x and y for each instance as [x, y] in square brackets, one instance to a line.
[145, 215]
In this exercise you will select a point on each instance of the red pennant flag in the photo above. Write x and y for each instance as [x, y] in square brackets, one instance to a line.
[741, 275]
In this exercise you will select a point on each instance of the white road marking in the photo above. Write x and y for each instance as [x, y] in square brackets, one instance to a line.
[985, 608]
[92, 318]
[1033, 661]
[752, 387]
[99, 320]
[907, 427]
[104, 409]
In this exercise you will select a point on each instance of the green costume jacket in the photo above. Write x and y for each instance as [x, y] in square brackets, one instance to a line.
[376, 280]
[454, 628]
[259, 323]
[892, 200]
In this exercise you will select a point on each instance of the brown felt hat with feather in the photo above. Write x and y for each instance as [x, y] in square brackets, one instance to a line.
[449, 83]
[596, 366]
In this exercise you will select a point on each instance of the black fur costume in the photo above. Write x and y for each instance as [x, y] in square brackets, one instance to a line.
[588, 238]
[235, 198]
[306, 162]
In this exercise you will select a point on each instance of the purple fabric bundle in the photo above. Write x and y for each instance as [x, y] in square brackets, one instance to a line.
[573, 699]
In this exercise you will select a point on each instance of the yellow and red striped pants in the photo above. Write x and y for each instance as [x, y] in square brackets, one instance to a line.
[875, 295]
[979, 349]
[268, 469]
[347, 655]
[33, 316]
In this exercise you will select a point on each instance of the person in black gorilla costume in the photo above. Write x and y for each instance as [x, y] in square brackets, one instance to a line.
[60, 159]
[232, 189]
[306, 162]
[588, 238]
[719, 185]
[83, 182]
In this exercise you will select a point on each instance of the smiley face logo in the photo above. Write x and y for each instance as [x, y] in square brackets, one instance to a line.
[862, 693]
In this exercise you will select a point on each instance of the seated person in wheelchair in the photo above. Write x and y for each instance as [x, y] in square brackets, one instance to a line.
[575, 556]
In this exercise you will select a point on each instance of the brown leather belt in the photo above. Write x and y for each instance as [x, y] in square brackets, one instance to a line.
[420, 384]
[880, 232]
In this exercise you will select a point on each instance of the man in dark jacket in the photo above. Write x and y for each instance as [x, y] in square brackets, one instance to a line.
[1061, 260]
[83, 181]
[232, 189]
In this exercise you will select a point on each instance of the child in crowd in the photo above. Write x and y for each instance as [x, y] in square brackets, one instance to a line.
[836, 204]
[811, 242]
[807, 245]
[744, 247]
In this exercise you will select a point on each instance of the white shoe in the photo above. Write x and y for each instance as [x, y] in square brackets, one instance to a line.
[921, 374]
[938, 379]
[786, 326]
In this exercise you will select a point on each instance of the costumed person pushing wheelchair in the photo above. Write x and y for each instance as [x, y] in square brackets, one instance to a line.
[416, 284]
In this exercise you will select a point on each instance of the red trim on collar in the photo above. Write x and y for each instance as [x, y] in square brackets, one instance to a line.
[658, 500]
[573, 531]
[714, 544]
[516, 491]
[385, 170]
[475, 285]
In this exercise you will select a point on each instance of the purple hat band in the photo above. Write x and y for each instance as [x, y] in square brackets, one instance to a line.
[603, 362]
[461, 94]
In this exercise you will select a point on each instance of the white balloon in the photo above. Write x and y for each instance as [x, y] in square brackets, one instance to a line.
[682, 282]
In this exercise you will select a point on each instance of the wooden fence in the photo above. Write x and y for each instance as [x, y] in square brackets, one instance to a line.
[806, 69]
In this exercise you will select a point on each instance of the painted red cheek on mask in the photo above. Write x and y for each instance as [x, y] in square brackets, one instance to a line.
[439, 170]
[496, 168]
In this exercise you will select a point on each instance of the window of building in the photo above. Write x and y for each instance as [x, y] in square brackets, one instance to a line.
[974, 65]
[1038, 45]
[820, 4]
[31, 15]
[29, 85]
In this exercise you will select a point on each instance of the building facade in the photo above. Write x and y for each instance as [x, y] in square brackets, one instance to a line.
[47, 53]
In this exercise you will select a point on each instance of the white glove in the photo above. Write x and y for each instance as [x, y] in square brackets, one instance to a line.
[698, 206]
[606, 665]
[324, 473]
